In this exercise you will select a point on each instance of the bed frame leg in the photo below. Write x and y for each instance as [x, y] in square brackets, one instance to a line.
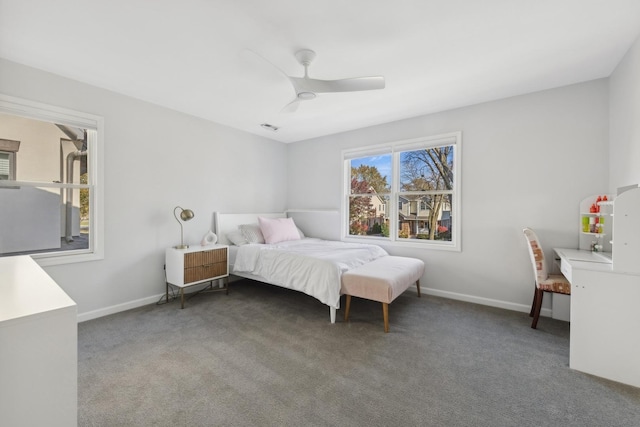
[332, 314]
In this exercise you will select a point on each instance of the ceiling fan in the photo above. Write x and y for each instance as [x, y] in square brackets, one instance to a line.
[307, 88]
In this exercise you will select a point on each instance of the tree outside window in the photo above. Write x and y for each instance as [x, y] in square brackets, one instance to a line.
[426, 182]
[369, 196]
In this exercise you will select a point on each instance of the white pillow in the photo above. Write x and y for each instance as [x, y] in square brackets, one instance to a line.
[237, 238]
[252, 233]
[277, 230]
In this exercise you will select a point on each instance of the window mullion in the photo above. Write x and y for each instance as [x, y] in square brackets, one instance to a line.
[395, 189]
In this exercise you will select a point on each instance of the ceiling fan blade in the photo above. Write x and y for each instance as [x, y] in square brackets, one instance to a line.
[291, 107]
[250, 54]
[355, 84]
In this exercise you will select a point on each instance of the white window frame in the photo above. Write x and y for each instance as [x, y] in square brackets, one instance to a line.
[95, 144]
[395, 148]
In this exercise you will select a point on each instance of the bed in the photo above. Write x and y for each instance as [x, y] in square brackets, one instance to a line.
[309, 265]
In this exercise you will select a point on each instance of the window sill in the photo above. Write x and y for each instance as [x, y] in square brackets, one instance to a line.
[408, 243]
[48, 259]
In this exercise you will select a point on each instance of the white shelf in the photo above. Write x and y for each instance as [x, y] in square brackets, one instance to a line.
[593, 234]
[604, 222]
[623, 231]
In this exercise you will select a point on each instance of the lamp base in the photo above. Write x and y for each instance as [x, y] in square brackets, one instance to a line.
[181, 247]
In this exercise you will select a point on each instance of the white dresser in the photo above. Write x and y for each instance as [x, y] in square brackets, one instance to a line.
[38, 348]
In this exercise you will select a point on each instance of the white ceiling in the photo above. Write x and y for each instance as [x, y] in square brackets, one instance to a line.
[194, 55]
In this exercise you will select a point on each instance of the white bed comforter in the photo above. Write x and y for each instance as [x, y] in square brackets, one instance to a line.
[312, 266]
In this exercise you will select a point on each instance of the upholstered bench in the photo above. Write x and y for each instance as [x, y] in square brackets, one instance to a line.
[382, 280]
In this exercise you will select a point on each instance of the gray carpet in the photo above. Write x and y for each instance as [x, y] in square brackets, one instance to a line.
[266, 356]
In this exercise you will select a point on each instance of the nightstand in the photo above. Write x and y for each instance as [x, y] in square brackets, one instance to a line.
[196, 265]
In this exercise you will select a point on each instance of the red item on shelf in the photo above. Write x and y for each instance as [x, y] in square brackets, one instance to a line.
[593, 208]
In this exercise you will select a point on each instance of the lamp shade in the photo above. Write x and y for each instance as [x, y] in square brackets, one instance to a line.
[186, 214]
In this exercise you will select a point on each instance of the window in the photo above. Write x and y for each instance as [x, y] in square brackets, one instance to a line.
[8, 149]
[6, 166]
[50, 170]
[419, 178]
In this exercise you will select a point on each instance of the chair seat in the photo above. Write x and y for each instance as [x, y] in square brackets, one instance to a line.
[555, 283]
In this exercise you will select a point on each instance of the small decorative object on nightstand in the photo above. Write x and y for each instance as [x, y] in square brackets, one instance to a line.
[194, 266]
[209, 239]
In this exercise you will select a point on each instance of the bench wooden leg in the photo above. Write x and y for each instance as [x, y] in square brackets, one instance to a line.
[347, 306]
[418, 287]
[385, 316]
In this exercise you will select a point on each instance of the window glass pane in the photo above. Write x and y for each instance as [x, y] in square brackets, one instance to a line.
[368, 215]
[427, 169]
[371, 174]
[45, 217]
[425, 217]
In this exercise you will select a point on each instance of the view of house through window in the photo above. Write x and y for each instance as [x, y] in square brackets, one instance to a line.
[407, 191]
[45, 186]
[369, 197]
[426, 187]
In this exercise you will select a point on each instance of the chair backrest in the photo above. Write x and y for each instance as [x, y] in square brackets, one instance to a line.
[536, 255]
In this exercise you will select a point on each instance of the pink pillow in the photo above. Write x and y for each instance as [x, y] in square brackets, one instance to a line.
[278, 229]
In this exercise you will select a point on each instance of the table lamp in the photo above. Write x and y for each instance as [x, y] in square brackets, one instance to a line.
[185, 215]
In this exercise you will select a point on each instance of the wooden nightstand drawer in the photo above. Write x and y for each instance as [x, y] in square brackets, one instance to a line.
[203, 265]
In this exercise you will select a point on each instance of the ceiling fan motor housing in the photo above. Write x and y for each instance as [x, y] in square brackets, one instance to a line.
[305, 56]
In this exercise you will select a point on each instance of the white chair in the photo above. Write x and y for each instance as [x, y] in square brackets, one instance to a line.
[545, 282]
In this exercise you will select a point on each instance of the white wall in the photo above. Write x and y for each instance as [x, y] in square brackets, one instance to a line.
[624, 135]
[527, 161]
[155, 159]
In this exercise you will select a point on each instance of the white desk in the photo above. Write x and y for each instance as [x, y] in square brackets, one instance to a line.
[605, 319]
[38, 348]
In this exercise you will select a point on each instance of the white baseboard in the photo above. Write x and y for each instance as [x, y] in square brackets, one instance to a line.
[83, 317]
[484, 301]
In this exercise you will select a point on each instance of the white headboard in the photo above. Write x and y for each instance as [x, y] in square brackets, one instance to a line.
[323, 224]
[226, 222]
